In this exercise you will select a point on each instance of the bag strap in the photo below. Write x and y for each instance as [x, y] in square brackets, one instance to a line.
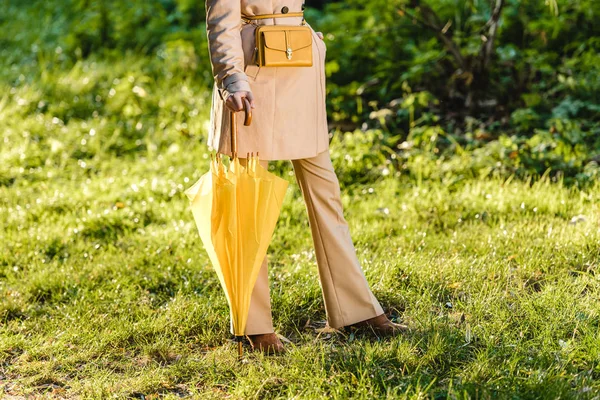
[266, 16]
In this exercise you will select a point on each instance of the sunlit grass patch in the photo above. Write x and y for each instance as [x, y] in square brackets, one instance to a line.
[105, 289]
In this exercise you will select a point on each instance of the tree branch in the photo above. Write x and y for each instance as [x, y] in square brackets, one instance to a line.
[431, 21]
[492, 26]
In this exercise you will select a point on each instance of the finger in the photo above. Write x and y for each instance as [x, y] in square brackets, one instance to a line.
[320, 35]
[229, 103]
[237, 102]
[250, 98]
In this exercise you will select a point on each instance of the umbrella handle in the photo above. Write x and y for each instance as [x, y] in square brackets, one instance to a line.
[247, 122]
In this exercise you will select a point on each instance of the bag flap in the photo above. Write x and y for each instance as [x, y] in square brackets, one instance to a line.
[275, 40]
[300, 39]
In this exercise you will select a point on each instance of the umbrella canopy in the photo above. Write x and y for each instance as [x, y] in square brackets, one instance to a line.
[236, 209]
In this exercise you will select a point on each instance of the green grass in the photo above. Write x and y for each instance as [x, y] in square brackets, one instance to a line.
[105, 290]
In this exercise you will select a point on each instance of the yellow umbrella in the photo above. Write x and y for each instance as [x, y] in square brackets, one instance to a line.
[236, 210]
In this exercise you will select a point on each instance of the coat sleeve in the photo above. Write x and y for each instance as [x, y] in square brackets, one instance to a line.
[223, 27]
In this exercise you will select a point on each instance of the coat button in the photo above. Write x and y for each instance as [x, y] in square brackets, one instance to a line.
[285, 10]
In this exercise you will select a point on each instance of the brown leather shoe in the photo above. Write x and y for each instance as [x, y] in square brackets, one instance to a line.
[381, 325]
[268, 343]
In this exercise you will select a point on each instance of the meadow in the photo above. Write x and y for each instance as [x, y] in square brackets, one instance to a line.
[106, 291]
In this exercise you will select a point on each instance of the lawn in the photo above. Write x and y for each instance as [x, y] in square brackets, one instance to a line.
[106, 291]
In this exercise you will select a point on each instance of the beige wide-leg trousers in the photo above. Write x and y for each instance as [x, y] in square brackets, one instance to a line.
[348, 298]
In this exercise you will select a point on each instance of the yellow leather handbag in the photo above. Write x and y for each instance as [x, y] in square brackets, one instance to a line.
[282, 45]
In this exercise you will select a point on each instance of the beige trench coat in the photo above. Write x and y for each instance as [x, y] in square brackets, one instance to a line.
[289, 121]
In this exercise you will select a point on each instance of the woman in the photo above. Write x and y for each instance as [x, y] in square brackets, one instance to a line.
[289, 123]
